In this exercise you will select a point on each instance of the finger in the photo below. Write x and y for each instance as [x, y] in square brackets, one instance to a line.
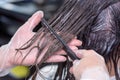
[79, 53]
[84, 53]
[76, 62]
[33, 21]
[73, 47]
[75, 42]
[71, 70]
[56, 58]
[62, 52]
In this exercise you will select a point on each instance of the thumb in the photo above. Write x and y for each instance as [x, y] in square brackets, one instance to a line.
[76, 62]
[33, 21]
[71, 70]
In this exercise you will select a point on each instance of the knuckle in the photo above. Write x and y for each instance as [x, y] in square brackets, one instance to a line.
[73, 47]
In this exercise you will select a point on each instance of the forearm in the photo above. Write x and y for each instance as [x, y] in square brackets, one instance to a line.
[95, 73]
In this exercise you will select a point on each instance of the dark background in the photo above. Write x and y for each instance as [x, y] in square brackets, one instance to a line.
[14, 13]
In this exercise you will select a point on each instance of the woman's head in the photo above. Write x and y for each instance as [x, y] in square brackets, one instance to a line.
[104, 36]
[92, 21]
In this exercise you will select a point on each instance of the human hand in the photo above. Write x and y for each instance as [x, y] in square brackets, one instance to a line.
[23, 34]
[90, 66]
[58, 56]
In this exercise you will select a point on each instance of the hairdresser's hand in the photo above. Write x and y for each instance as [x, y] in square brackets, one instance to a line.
[8, 57]
[90, 66]
[23, 34]
[58, 56]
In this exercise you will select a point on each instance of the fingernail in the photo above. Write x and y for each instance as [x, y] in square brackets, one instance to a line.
[79, 55]
[40, 12]
[36, 14]
[76, 62]
[75, 37]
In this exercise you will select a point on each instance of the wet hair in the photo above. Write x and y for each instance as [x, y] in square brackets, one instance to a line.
[95, 22]
[104, 37]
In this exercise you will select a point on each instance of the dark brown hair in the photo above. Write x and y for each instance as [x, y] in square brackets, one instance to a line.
[95, 22]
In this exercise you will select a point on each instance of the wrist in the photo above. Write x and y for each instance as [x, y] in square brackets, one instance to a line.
[4, 57]
[4, 70]
[92, 73]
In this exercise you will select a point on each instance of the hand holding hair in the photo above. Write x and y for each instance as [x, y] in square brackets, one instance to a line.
[8, 56]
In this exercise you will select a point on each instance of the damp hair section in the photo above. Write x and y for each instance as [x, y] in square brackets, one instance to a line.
[95, 22]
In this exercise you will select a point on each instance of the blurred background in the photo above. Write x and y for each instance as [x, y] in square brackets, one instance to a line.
[14, 13]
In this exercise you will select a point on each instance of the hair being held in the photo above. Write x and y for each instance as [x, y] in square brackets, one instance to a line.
[95, 22]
